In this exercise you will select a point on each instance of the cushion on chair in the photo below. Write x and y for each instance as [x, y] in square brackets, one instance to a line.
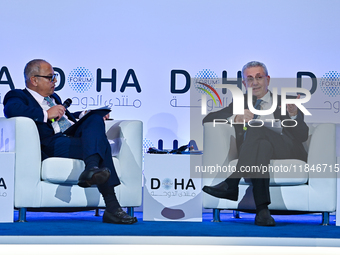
[65, 170]
[285, 172]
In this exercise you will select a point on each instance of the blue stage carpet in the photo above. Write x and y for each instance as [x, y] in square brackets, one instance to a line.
[86, 224]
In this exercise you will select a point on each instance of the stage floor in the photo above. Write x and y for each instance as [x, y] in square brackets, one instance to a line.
[85, 228]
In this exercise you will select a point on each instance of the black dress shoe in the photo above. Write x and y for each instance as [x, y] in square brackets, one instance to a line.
[222, 190]
[263, 218]
[118, 217]
[93, 176]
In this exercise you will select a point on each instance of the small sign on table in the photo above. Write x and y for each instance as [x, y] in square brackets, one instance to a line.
[7, 186]
[170, 194]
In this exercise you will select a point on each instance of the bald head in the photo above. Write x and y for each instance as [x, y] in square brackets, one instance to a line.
[32, 68]
[39, 77]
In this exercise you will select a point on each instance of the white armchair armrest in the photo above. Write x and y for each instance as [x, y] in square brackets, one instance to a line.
[219, 149]
[31, 191]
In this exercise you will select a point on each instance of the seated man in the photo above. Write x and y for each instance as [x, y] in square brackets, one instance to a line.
[258, 145]
[89, 142]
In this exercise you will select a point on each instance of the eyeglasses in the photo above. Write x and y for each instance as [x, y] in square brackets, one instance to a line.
[257, 78]
[50, 78]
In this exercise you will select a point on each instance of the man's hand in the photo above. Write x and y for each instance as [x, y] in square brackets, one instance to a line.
[107, 116]
[292, 108]
[248, 115]
[56, 112]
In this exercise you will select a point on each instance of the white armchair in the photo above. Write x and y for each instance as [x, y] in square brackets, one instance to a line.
[53, 182]
[309, 191]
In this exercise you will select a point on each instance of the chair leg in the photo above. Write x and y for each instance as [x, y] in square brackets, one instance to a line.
[22, 214]
[216, 215]
[97, 212]
[325, 218]
[236, 214]
[130, 211]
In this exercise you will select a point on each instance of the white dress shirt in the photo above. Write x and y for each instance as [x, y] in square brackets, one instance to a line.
[267, 102]
[44, 105]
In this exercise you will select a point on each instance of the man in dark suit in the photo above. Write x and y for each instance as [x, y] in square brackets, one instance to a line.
[257, 145]
[89, 143]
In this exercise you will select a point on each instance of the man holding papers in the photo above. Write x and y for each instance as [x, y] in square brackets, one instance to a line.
[257, 145]
[87, 141]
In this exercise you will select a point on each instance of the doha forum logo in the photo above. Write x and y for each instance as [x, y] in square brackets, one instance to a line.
[80, 79]
[205, 82]
[330, 84]
[167, 183]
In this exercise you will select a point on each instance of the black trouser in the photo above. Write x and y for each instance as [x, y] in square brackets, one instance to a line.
[89, 139]
[259, 147]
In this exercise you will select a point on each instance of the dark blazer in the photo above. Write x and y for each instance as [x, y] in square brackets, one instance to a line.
[298, 134]
[19, 102]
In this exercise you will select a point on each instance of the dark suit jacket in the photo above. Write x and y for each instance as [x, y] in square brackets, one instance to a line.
[297, 134]
[19, 102]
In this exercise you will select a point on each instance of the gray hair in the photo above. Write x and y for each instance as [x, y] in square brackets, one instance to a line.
[32, 68]
[254, 64]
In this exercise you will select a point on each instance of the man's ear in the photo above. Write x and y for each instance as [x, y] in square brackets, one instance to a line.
[268, 79]
[33, 81]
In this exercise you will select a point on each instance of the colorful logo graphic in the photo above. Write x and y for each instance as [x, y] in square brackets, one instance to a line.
[330, 84]
[204, 83]
[80, 79]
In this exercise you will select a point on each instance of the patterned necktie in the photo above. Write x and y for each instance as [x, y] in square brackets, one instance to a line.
[62, 122]
[257, 106]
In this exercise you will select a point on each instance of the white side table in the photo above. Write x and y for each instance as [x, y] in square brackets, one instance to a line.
[170, 194]
[7, 186]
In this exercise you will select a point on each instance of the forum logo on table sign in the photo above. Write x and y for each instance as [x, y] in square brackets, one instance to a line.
[179, 187]
[167, 183]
